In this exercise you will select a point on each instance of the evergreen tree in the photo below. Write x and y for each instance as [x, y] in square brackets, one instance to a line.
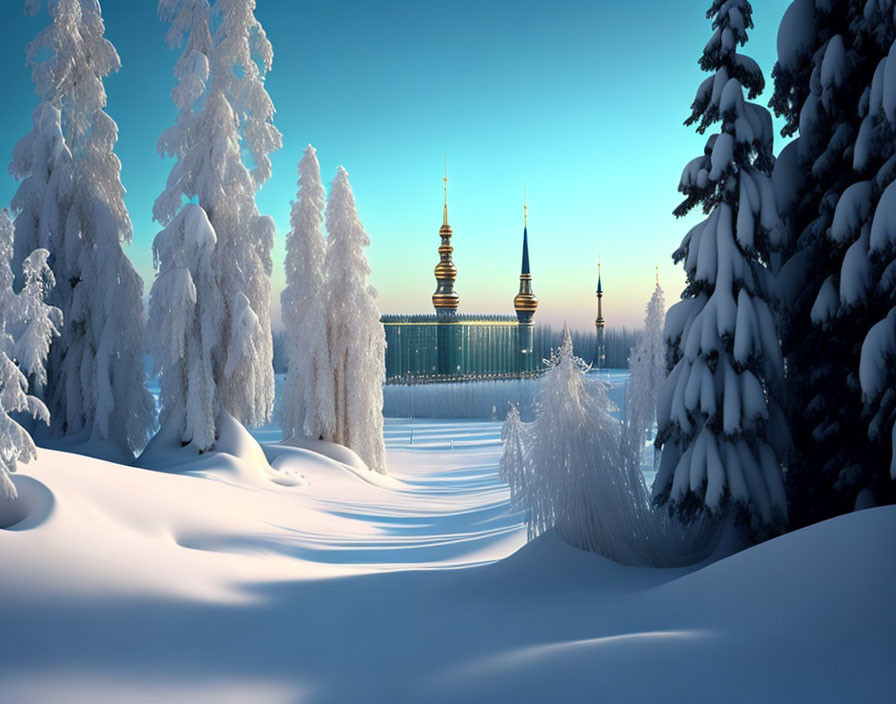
[721, 431]
[225, 121]
[75, 209]
[828, 181]
[647, 365]
[27, 324]
[306, 406]
[356, 336]
[186, 322]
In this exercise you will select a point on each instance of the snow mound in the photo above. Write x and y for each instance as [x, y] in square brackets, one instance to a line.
[338, 458]
[236, 454]
[30, 508]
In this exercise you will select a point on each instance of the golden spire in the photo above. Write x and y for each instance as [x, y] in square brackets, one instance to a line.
[445, 179]
[445, 298]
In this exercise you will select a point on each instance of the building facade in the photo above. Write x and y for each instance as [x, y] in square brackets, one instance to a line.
[450, 346]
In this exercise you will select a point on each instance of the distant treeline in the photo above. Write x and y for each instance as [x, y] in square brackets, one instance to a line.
[618, 345]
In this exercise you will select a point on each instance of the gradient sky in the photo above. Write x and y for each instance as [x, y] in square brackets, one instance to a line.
[583, 100]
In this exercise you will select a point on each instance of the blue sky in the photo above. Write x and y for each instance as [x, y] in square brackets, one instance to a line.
[583, 100]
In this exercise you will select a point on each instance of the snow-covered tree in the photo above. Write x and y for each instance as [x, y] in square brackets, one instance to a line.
[75, 209]
[647, 372]
[38, 321]
[722, 434]
[357, 340]
[27, 324]
[565, 464]
[186, 316]
[43, 163]
[876, 159]
[829, 86]
[224, 128]
[569, 470]
[307, 401]
[514, 468]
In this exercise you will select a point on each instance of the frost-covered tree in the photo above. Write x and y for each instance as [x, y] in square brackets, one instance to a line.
[722, 434]
[186, 320]
[72, 203]
[27, 325]
[357, 340]
[38, 321]
[569, 470]
[221, 141]
[307, 401]
[553, 463]
[514, 468]
[43, 163]
[647, 367]
[829, 87]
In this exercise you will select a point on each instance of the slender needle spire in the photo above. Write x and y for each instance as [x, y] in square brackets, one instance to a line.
[445, 179]
[657, 276]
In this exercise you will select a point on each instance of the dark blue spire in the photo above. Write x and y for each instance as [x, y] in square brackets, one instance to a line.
[599, 289]
[525, 269]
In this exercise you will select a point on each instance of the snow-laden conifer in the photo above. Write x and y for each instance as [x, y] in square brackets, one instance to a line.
[96, 380]
[357, 340]
[647, 372]
[186, 319]
[306, 405]
[38, 321]
[27, 324]
[826, 188]
[42, 162]
[722, 434]
[874, 212]
[224, 128]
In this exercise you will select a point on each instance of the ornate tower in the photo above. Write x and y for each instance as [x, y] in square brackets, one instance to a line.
[525, 303]
[445, 299]
[600, 354]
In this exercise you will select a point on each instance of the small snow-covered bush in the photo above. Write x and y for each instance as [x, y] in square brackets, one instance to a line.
[569, 470]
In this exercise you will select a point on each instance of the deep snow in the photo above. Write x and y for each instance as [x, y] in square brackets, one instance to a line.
[132, 585]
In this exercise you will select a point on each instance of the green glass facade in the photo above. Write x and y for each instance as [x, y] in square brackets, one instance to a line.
[431, 348]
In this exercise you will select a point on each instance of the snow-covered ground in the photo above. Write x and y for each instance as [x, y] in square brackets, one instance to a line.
[220, 585]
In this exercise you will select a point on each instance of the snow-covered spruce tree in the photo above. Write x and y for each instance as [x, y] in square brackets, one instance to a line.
[876, 311]
[186, 320]
[38, 321]
[96, 380]
[27, 324]
[307, 401]
[515, 470]
[43, 163]
[226, 121]
[357, 340]
[647, 367]
[722, 435]
[825, 183]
